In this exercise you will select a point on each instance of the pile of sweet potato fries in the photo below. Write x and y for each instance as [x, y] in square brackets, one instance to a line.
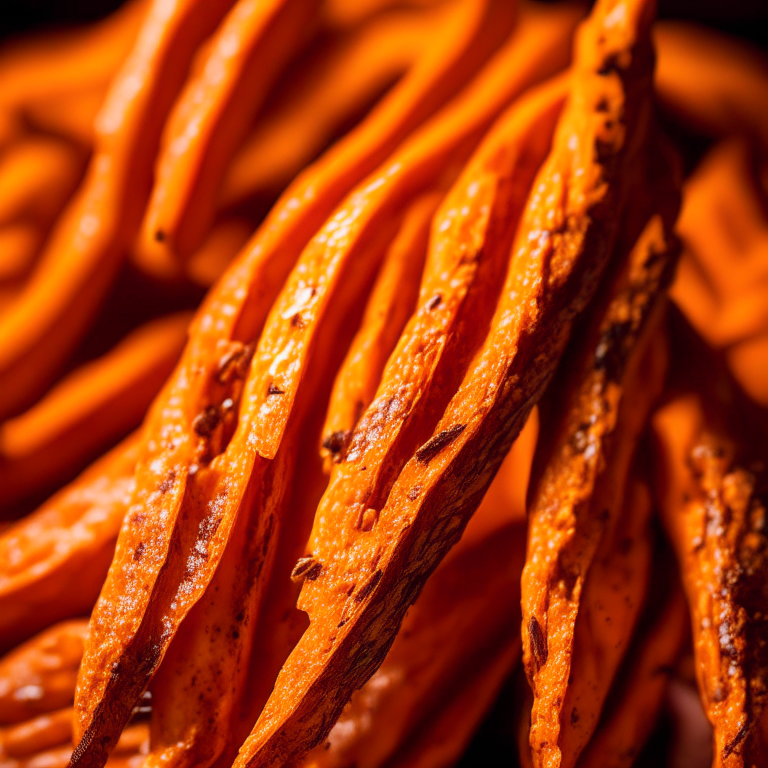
[480, 380]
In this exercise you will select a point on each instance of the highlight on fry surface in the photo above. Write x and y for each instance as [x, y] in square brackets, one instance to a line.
[383, 384]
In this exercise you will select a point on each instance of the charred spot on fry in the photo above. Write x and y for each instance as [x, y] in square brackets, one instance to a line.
[436, 444]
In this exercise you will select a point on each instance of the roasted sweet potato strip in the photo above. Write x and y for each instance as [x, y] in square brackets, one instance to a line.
[50, 64]
[714, 506]
[88, 409]
[462, 625]
[39, 676]
[19, 243]
[632, 710]
[87, 245]
[71, 116]
[581, 495]
[334, 85]
[53, 562]
[42, 732]
[190, 487]
[552, 276]
[391, 301]
[212, 116]
[714, 83]
[37, 176]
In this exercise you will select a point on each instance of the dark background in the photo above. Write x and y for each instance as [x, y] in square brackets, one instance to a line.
[746, 18]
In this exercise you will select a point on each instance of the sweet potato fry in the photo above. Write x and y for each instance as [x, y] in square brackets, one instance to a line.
[39, 676]
[463, 625]
[336, 82]
[210, 434]
[714, 509]
[88, 409]
[580, 496]
[87, 245]
[714, 83]
[551, 278]
[19, 243]
[71, 116]
[43, 66]
[40, 733]
[53, 562]
[392, 300]
[632, 709]
[212, 115]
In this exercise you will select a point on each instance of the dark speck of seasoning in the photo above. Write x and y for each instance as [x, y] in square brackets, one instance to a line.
[235, 634]
[306, 568]
[368, 587]
[434, 302]
[167, 484]
[574, 716]
[734, 743]
[441, 440]
[297, 321]
[138, 552]
[207, 421]
[413, 494]
[159, 236]
[273, 390]
[538, 642]
[335, 442]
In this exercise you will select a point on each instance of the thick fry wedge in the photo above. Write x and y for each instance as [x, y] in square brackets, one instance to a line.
[87, 410]
[53, 562]
[39, 676]
[211, 434]
[714, 510]
[368, 574]
[88, 243]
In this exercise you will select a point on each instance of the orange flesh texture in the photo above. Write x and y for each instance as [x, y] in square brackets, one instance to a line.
[714, 515]
[207, 664]
[631, 712]
[39, 676]
[88, 409]
[335, 83]
[87, 245]
[391, 302]
[37, 176]
[49, 65]
[463, 623]
[722, 283]
[580, 496]
[430, 503]
[213, 113]
[713, 83]
[234, 310]
[53, 562]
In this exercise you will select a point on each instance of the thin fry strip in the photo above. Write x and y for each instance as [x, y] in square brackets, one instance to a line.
[714, 510]
[334, 84]
[391, 301]
[39, 676]
[551, 278]
[42, 732]
[580, 494]
[88, 409]
[89, 241]
[466, 615]
[634, 706]
[213, 113]
[190, 487]
[53, 562]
